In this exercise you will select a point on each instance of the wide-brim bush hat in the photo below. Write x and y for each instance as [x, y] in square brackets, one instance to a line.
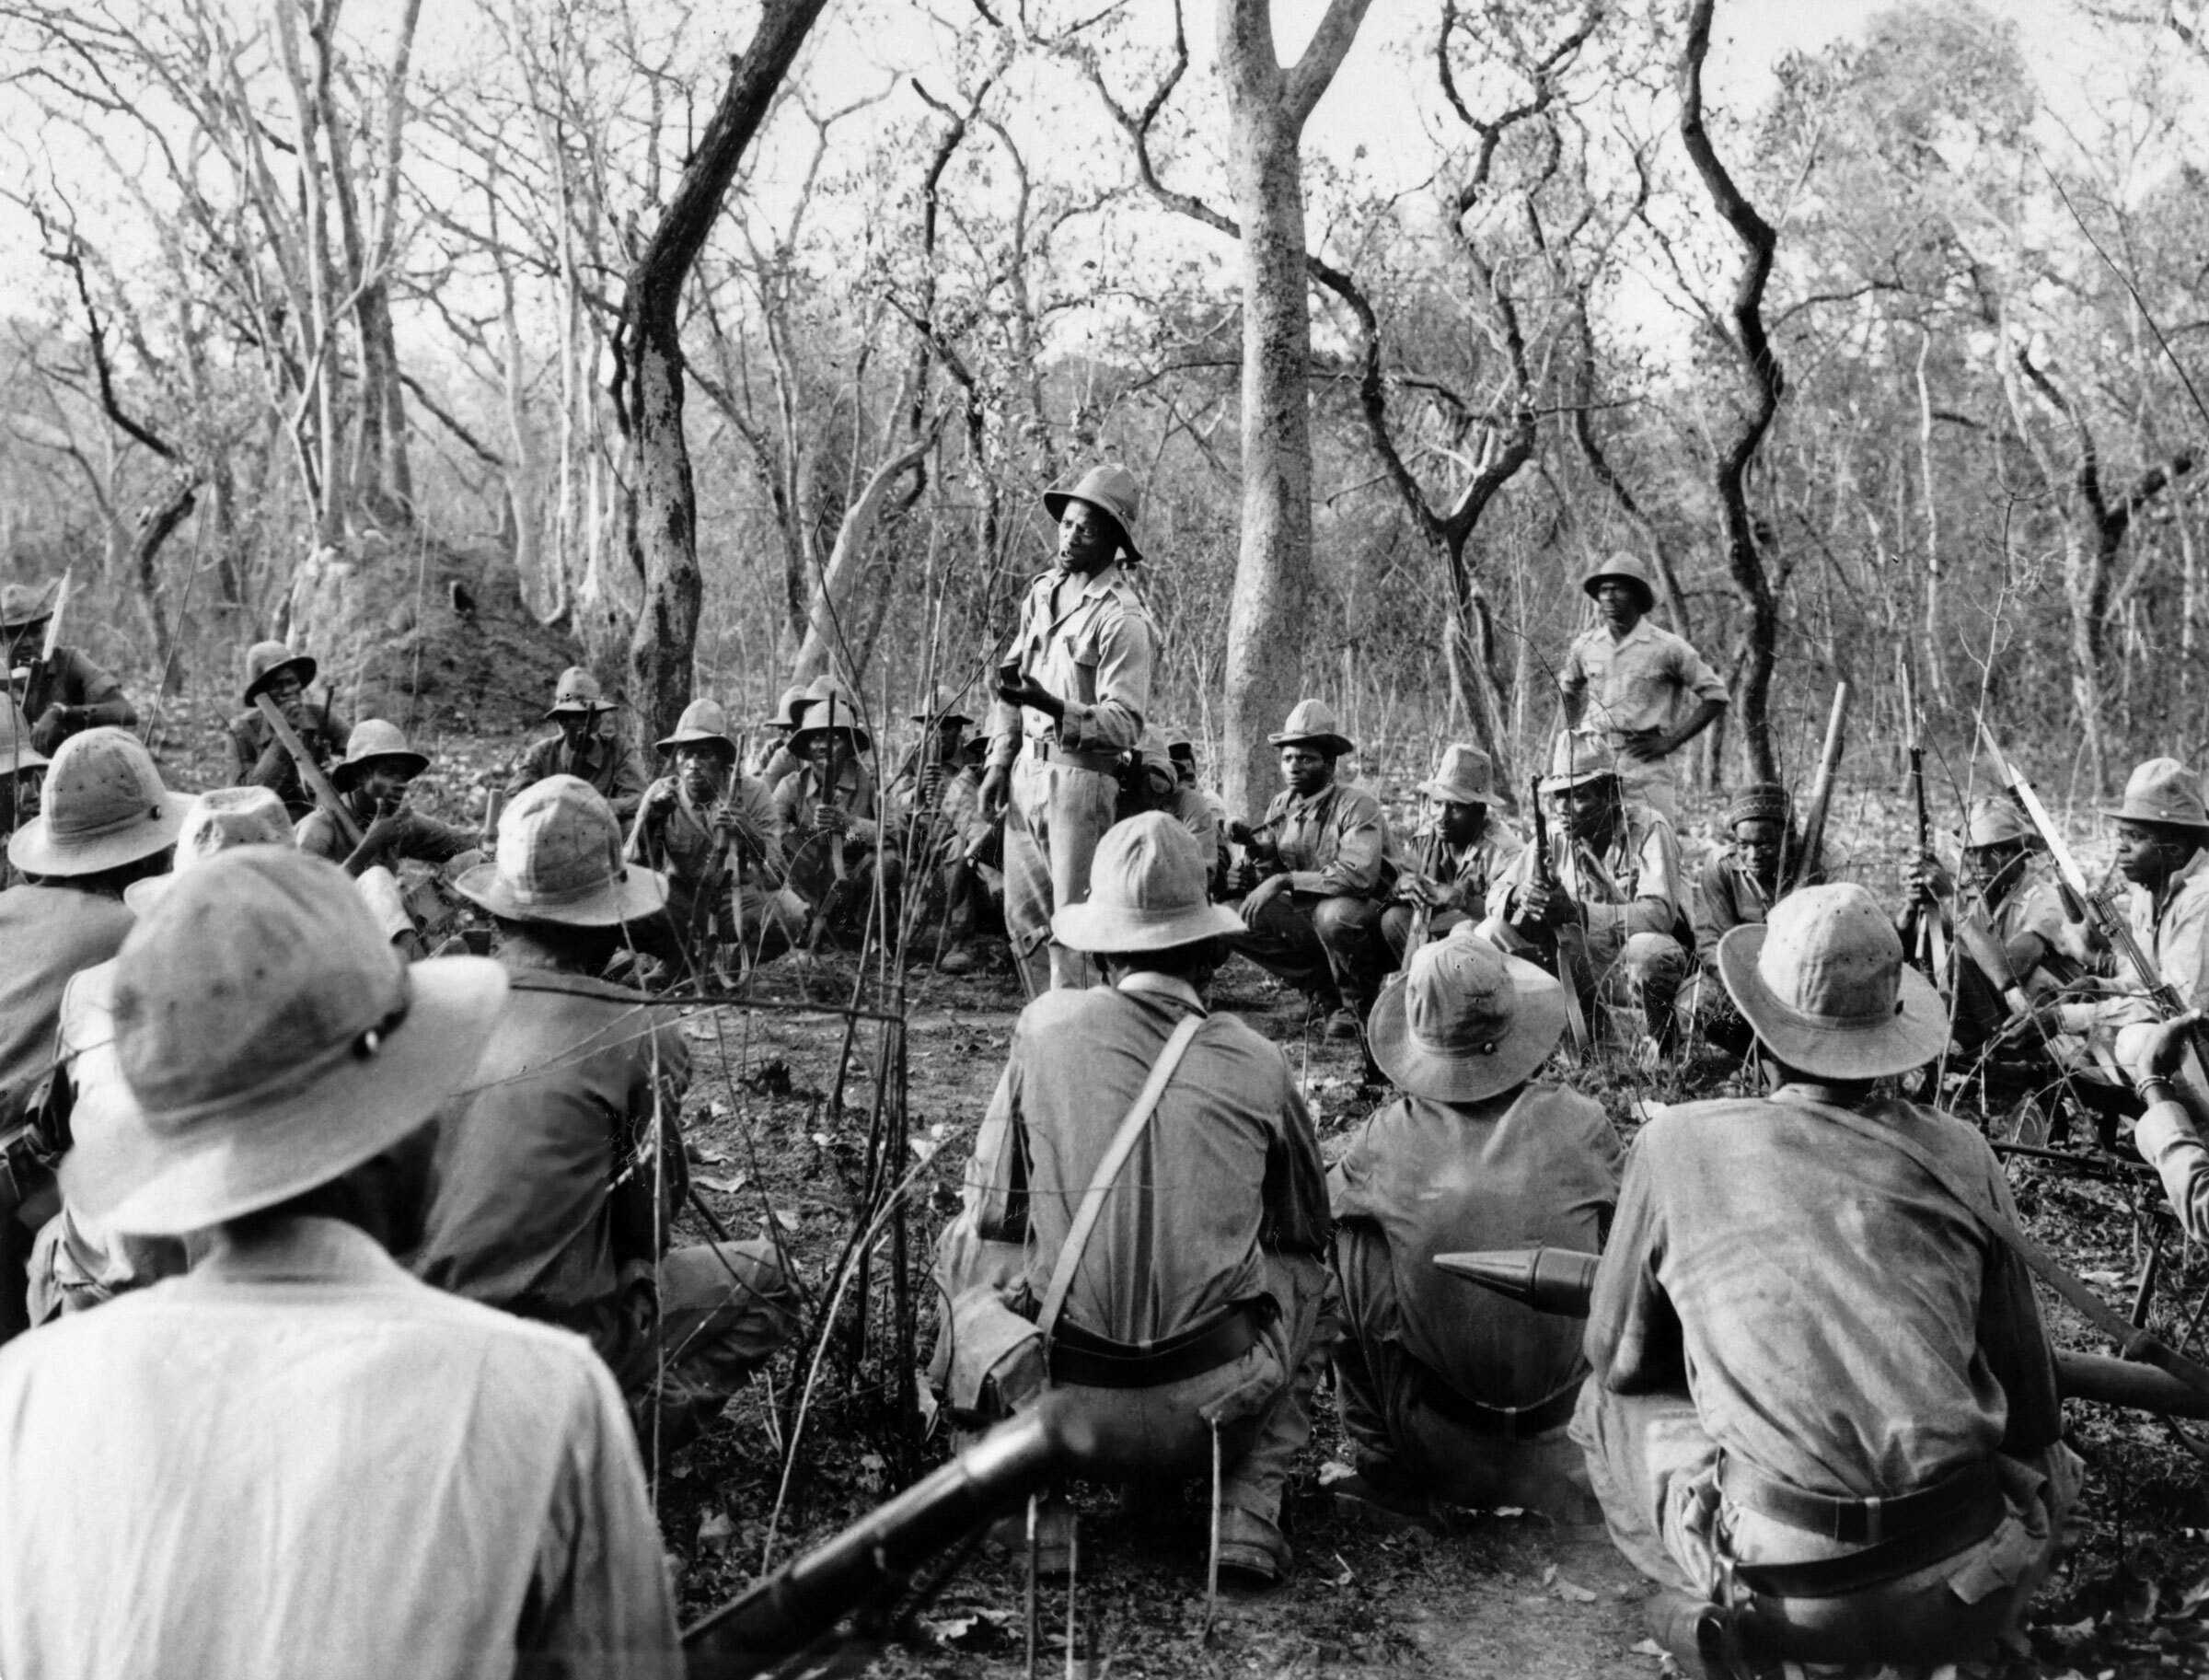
[1996, 821]
[816, 720]
[577, 691]
[787, 709]
[1622, 568]
[17, 753]
[703, 723]
[1146, 892]
[270, 1040]
[1577, 757]
[22, 606]
[1312, 723]
[216, 821]
[1468, 776]
[375, 740]
[104, 806]
[266, 661]
[1110, 487]
[1466, 1021]
[2162, 791]
[558, 859]
[943, 707]
[1824, 986]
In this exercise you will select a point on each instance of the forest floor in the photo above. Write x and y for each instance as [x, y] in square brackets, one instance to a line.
[778, 1123]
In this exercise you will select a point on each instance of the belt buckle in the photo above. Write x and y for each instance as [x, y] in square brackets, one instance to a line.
[1872, 1526]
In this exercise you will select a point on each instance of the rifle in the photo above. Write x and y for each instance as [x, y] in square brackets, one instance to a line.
[784, 1621]
[326, 795]
[1568, 940]
[2083, 902]
[42, 672]
[1930, 943]
[1812, 854]
[1560, 1281]
[1422, 912]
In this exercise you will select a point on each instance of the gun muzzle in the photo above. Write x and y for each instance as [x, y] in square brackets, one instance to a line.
[1548, 1280]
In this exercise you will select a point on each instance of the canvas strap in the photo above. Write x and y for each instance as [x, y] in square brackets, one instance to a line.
[1108, 1169]
[2135, 1343]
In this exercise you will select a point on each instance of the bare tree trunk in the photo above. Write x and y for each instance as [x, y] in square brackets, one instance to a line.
[1752, 345]
[659, 523]
[1268, 107]
[823, 627]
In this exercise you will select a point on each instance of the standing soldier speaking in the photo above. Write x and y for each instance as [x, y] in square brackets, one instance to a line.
[1073, 691]
[1646, 691]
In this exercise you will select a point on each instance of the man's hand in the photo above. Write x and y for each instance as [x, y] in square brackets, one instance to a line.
[1031, 694]
[52, 727]
[2166, 1047]
[1543, 906]
[1260, 896]
[829, 818]
[997, 791]
[660, 795]
[1927, 879]
[1419, 890]
[1650, 746]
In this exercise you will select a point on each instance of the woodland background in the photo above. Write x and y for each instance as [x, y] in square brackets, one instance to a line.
[378, 327]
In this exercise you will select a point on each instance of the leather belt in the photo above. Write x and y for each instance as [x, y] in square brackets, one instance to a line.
[1050, 752]
[1863, 1522]
[1086, 1361]
[1503, 1422]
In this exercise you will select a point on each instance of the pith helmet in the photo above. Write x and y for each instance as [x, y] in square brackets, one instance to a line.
[1466, 777]
[270, 1040]
[1575, 757]
[1624, 568]
[702, 720]
[1825, 988]
[1996, 821]
[1110, 487]
[2162, 791]
[814, 720]
[559, 860]
[21, 605]
[104, 807]
[1146, 892]
[1313, 722]
[787, 708]
[577, 690]
[1464, 1021]
[373, 739]
[267, 660]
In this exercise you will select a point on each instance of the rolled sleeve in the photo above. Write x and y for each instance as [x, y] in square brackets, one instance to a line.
[2168, 1141]
[1697, 675]
[1573, 678]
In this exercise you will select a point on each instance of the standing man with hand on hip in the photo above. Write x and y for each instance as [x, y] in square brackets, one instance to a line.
[1073, 691]
[1645, 690]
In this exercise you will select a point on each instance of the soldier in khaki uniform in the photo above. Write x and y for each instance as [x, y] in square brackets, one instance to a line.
[1459, 855]
[583, 749]
[1085, 650]
[256, 757]
[62, 695]
[1645, 690]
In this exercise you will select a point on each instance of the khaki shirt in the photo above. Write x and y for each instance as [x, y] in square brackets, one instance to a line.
[1333, 842]
[2173, 931]
[1227, 1168]
[1467, 872]
[1634, 886]
[1841, 1323]
[615, 770]
[1093, 650]
[798, 800]
[1642, 681]
[1422, 1178]
[296, 1459]
[48, 933]
[679, 840]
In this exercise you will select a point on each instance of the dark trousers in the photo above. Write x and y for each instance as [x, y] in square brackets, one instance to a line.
[1328, 946]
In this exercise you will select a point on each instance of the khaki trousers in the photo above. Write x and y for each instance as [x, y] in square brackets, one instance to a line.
[1057, 816]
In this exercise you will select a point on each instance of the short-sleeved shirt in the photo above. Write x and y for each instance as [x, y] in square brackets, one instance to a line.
[1333, 842]
[1841, 1321]
[1228, 1167]
[615, 770]
[49, 933]
[70, 679]
[1422, 1178]
[1090, 643]
[297, 1459]
[2173, 931]
[1636, 682]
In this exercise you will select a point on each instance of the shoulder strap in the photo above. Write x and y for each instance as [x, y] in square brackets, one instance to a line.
[1108, 1169]
[2135, 1342]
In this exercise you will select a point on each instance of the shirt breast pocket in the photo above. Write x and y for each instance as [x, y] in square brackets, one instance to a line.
[1085, 653]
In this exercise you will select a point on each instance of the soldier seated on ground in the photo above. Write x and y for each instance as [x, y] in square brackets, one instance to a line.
[771, 760]
[372, 780]
[1315, 876]
[1602, 911]
[716, 836]
[940, 798]
[1175, 1262]
[307, 1462]
[829, 811]
[64, 695]
[1183, 751]
[22, 774]
[256, 757]
[1736, 887]
[583, 749]
[1449, 1395]
[1458, 858]
[1823, 1415]
[546, 1199]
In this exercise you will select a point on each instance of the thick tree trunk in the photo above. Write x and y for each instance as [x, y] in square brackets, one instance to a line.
[659, 498]
[826, 633]
[1273, 571]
